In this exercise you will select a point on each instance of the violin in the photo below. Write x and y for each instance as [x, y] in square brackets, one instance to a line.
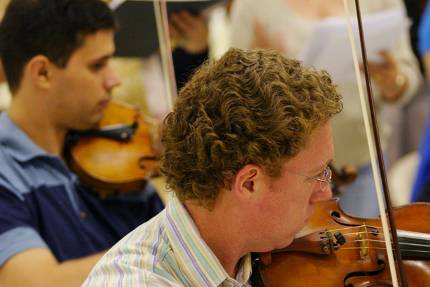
[336, 249]
[118, 156]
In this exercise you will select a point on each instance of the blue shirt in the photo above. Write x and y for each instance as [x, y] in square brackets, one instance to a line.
[421, 188]
[424, 32]
[43, 205]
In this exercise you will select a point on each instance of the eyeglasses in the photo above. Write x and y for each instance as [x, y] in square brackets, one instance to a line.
[324, 178]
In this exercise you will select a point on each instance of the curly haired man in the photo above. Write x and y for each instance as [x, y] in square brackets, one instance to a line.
[247, 149]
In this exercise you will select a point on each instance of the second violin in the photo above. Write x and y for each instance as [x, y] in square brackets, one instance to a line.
[119, 156]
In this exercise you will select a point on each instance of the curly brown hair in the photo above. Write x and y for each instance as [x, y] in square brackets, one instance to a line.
[249, 107]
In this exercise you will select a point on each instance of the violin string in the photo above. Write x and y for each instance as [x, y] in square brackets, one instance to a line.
[381, 240]
[383, 248]
[354, 227]
[368, 240]
[364, 231]
[402, 244]
[361, 248]
[416, 251]
[376, 240]
[413, 244]
[357, 233]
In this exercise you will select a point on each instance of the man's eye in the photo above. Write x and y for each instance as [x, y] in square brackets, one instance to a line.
[97, 66]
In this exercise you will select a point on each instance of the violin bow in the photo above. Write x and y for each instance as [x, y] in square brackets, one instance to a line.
[162, 24]
[375, 146]
[161, 19]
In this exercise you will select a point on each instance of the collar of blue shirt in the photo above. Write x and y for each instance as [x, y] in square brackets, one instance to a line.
[19, 145]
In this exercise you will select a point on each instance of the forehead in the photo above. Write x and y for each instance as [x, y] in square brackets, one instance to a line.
[94, 46]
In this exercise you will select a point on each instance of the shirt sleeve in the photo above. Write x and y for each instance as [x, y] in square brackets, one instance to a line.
[17, 232]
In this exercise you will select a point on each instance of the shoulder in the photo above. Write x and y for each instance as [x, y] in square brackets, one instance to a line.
[22, 177]
[137, 258]
[8, 173]
[17, 177]
[146, 243]
[25, 166]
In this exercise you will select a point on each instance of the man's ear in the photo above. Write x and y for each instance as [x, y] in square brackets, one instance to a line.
[39, 70]
[247, 181]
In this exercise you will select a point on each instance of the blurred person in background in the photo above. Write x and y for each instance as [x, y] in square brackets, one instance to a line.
[56, 57]
[287, 25]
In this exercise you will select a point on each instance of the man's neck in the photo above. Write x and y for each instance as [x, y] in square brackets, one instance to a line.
[33, 119]
[221, 233]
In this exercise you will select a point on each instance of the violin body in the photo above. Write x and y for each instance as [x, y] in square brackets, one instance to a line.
[119, 156]
[356, 258]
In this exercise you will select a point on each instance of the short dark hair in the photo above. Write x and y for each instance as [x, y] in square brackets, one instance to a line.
[53, 28]
[249, 107]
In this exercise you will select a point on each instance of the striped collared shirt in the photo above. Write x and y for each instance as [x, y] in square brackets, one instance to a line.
[166, 251]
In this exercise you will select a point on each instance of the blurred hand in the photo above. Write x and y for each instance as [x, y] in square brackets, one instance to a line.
[189, 32]
[262, 39]
[388, 78]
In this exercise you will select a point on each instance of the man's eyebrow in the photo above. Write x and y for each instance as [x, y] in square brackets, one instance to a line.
[102, 58]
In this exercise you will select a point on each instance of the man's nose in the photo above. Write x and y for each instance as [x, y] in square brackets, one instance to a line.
[322, 194]
[112, 80]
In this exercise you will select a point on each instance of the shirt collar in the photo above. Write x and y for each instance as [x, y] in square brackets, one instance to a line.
[18, 144]
[195, 257]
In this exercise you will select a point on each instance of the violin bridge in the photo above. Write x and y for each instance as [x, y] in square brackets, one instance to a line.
[363, 242]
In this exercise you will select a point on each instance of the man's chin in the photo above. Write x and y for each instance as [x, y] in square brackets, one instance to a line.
[281, 245]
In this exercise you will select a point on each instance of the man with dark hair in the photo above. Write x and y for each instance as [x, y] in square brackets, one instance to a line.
[246, 153]
[56, 59]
